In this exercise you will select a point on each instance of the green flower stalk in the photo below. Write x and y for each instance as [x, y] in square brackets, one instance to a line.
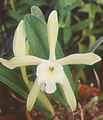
[49, 72]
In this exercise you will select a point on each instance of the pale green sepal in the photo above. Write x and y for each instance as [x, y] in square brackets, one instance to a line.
[68, 92]
[19, 45]
[86, 58]
[52, 28]
[22, 61]
[33, 95]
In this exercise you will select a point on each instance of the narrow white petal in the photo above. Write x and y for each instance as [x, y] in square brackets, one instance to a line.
[68, 92]
[52, 28]
[19, 45]
[22, 61]
[33, 95]
[86, 58]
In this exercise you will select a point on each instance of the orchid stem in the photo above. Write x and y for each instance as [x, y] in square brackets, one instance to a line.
[24, 75]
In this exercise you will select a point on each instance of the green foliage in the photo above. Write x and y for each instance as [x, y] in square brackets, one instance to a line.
[12, 80]
[36, 35]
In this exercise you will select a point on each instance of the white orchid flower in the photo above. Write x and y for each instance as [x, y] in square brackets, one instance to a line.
[49, 72]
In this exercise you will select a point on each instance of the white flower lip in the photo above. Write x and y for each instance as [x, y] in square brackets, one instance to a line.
[50, 73]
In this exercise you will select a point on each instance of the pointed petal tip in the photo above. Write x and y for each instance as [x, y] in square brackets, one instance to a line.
[73, 107]
[29, 104]
[53, 13]
[29, 107]
[73, 103]
[33, 94]
[20, 23]
[95, 57]
[5, 63]
[69, 94]
[80, 58]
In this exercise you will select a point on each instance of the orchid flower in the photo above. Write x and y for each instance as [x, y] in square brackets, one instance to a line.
[49, 72]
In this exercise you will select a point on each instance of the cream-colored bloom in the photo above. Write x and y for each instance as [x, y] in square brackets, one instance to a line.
[49, 72]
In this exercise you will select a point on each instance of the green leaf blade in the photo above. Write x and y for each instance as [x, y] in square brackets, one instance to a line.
[37, 12]
[37, 35]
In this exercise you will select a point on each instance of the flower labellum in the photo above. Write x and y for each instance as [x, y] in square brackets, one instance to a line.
[50, 73]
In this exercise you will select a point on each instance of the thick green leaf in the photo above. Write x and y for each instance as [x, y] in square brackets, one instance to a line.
[12, 80]
[37, 36]
[37, 12]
